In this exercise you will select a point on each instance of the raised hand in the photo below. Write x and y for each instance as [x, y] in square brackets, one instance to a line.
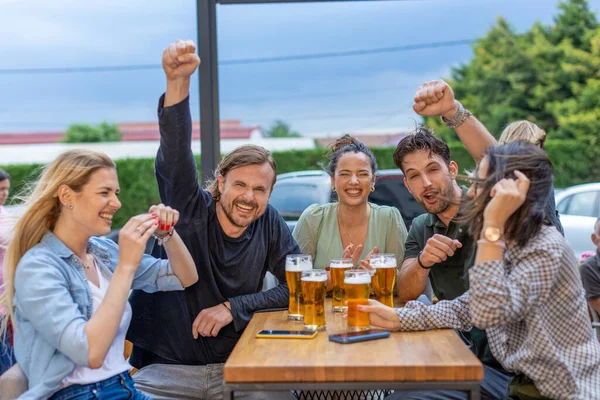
[435, 98]
[507, 196]
[180, 60]
[437, 249]
[366, 264]
[353, 252]
[133, 237]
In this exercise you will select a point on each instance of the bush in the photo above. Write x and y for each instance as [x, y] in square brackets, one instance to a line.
[84, 133]
[574, 163]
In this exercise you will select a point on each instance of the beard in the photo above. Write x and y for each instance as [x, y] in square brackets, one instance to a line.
[444, 199]
[238, 222]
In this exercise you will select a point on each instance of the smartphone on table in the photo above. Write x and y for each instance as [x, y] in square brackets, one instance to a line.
[287, 334]
[361, 336]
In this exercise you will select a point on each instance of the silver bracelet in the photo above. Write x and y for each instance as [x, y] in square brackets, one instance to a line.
[459, 119]
[161, 240]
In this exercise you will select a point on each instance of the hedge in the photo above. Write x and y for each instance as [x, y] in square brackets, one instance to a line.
[574, 163]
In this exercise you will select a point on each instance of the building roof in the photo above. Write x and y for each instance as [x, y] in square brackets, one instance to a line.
[145, 131]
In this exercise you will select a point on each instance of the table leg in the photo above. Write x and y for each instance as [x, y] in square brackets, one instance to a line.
[228, 394]
[475, 393]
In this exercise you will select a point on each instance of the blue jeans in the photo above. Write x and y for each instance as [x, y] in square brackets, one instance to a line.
[7, 357]
[118, 387]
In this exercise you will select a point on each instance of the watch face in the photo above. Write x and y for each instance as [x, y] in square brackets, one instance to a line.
[492, 234]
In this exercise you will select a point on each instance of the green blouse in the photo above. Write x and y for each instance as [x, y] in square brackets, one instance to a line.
[318, 234]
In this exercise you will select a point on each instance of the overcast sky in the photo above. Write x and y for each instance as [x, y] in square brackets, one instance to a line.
[365, 92]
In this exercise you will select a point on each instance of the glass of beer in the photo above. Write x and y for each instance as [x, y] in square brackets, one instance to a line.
[357, 283]
[384, 279]
[314, 287]
[294, 265]
[338, 294]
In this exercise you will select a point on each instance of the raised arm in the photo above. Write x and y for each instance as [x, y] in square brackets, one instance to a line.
[436, 98]
[176, 170]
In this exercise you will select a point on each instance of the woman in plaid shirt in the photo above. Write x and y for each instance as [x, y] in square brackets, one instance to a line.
[524, 291]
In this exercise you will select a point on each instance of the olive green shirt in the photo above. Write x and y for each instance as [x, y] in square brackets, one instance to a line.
[449, 278]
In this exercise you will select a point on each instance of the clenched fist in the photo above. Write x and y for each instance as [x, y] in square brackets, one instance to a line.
[435, 98]
[180, 60]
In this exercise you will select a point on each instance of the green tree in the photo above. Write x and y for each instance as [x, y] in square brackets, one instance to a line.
[281, 129]
[84, 133]
[548, 75]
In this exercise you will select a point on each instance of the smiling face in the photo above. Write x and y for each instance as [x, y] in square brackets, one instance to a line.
[245, 193]
[430, 180]
[4, 188]
[353, 179]
[95, 205]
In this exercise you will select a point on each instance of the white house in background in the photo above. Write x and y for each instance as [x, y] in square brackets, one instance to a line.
[139, 140]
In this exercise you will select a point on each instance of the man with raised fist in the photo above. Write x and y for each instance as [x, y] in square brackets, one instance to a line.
[234, 236]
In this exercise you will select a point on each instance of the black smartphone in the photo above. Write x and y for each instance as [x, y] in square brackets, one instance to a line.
[361, 336]
[282, 334]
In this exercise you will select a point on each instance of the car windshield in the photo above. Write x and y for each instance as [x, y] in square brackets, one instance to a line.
[291, 199]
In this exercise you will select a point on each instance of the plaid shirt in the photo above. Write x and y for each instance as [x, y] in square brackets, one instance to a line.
[533, 309]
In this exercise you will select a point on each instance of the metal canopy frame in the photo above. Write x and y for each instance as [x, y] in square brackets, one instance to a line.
[210, 132]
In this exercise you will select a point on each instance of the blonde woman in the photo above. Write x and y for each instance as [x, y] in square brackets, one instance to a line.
[67, 289]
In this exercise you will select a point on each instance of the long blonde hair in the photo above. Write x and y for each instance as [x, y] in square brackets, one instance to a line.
[525, 131]
[42, 209]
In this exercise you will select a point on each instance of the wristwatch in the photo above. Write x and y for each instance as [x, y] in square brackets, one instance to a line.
[492, 234]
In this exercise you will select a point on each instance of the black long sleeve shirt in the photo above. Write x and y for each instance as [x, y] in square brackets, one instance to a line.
[229, 268]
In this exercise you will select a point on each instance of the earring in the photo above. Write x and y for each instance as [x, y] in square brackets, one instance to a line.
[333, 188]
[70, 206]
[373, 188]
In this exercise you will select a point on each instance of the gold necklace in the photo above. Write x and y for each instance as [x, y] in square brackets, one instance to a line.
[344, 231]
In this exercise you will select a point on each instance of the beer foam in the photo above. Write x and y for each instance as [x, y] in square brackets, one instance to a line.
[383, 264]
[303, 266]
[358, 280]
[340, 265]
[315, 278]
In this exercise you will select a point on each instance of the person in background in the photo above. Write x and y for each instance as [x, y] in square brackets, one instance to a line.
[436, 98]
[7, 358]
[590, 272]
[67, 288]
[525, 291]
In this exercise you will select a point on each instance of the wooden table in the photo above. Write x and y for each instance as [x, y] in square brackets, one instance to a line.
[428, 360]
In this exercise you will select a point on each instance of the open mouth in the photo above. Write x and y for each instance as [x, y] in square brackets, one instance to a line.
[107, 217]
[244, 208]
[353, 192]
[430, 197]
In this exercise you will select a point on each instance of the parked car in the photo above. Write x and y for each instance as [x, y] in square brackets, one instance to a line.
[295, 191]
[579, 207]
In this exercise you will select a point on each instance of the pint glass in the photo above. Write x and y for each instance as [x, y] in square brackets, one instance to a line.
[314, 286]
[338, 294]
[357, 292]
[294, 265]
[384, 279]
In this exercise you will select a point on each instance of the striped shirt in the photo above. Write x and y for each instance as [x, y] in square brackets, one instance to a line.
[533, 309]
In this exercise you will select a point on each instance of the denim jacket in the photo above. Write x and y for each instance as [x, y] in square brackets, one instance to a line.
[53, 304]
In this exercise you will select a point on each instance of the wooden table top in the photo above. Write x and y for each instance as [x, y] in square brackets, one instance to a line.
[438, 355]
